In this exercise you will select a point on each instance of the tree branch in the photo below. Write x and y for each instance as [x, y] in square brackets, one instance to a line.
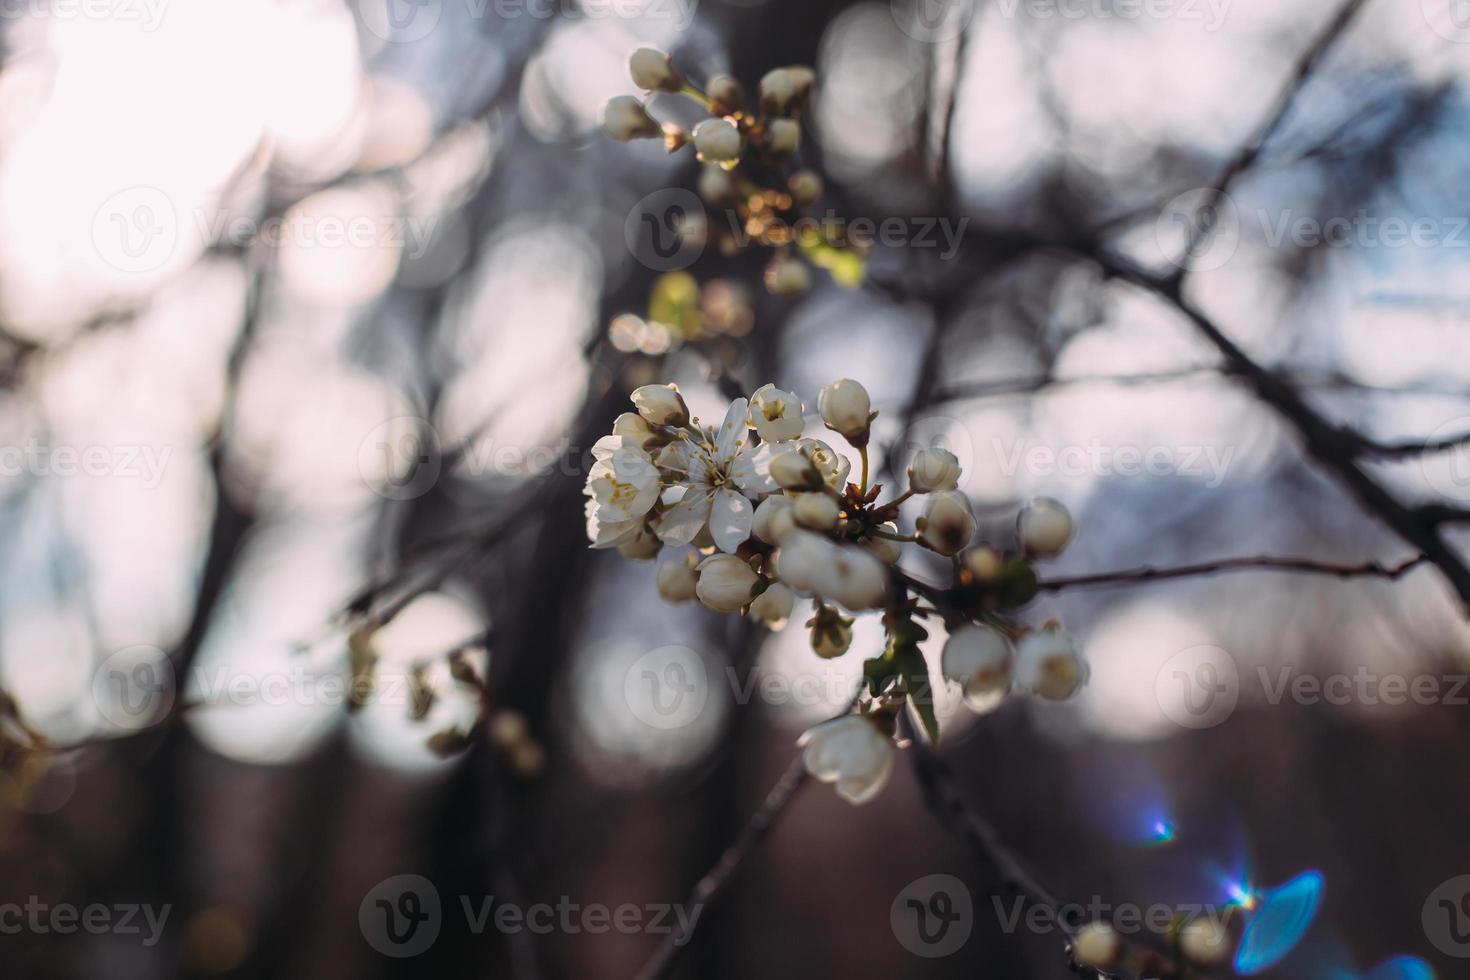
[1371, 569]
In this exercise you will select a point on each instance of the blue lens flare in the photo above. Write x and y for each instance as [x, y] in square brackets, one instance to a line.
[1282, 917]
[1401, 968]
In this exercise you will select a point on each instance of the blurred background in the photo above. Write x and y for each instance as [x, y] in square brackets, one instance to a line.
[313, 306]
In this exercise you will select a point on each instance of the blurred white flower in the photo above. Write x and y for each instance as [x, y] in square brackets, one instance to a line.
[717, 140]
[947, 525]
[785, 135]
[786, 276]
[624, 118]
[1204, 941]
[815, 510]
[652, 69]
[773, 518]
[676, 579]
[1048, 665]
[885, 550]
[1097, 945]
[850, 752]
[725, 583]
[978, 659]
[1045, 527]
[773, 606]
[804, 562]
[634, 428]
[856, 579]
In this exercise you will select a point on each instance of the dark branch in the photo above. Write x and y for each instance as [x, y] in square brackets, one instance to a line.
[1371, 569]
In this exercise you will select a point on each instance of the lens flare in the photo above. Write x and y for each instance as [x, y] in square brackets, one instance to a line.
[1283, 917]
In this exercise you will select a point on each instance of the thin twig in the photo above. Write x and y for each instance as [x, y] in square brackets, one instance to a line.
[1371, 569]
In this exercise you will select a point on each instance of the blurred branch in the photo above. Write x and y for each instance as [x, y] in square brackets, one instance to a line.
[1402, 450]
[1371, 569]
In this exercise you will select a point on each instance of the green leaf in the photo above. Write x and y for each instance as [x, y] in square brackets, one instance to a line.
[907, 661]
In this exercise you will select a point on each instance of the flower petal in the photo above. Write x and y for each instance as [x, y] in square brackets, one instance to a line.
[732, 431]
[730, 519]
[751, 469]
[682, 524]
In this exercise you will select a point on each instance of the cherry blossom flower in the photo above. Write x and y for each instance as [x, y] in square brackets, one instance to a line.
[720, 475]
[852, 753]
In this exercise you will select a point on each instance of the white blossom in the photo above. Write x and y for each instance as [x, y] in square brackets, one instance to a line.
[652, 69]
[978, 659]
[847, 409]
[634, 428]
[715, 184]
[856, 579]
[776, 414]
[716, 473]
[717, 140]
[805, 187]
[804, 562]
[985, 564]
[642, 545]
[1048, 665]
[784, 134]
[622, 486]
[661, 405]
[852, 753]
[624, 118]
[885, 550]
[1097, 945]
[947, 525]
[1045, 527]
[815, 510]
[934, 471]
[777, 89]
[725, 583]
[1204, 941]
[773, 606]
[725, 93]
[773, 519]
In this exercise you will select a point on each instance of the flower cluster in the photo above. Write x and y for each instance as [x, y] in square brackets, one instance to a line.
[754, 515]
[749, 153]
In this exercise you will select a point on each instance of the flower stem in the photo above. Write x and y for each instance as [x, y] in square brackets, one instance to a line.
[695, 94]
[863, 453]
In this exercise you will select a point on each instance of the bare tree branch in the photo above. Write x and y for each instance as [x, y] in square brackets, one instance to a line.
[1371, 569]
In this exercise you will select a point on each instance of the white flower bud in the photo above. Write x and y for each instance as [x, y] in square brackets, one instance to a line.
[792, 470]
[773, 519]
[802, 79]
[1204, 941]
[805, 562]
[978, 659]
[1097, 945]
[1048, 665]
[885, 550]
[847, 410]
[787, 277]
[784, 135]
[624, 119]
[832, 466]
[676, 580]
[852, 753]
[815, 510]
[717, 140]
[661, 405]
[985, 564]
[857, 579]
[805, 187]
[947, 525]
[1045, 527]
[692, 229]
[652, 69]
[725, 94]
[715, 185]
[934, 471]
[830, 641]
[778, 89]
[773, 606]
[725, 583]
[631, 426]
[776, 414]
